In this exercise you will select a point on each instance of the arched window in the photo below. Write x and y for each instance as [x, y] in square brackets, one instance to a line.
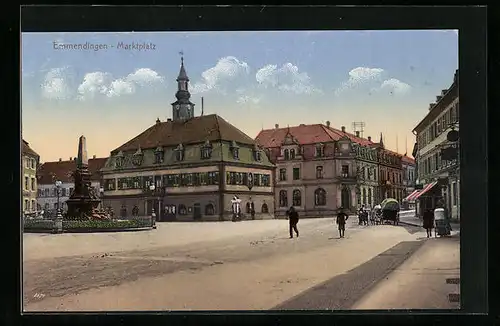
[345, 198]
[297, 198]
[370, 196]
[283, 198]
[292, 154]
[286, 154]
[248, 208]
[364, 196]
[182, 210]
[320, 197]
[209, 209]
[264, 208]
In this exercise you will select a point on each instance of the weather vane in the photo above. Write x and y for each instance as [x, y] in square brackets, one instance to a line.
[182, 55]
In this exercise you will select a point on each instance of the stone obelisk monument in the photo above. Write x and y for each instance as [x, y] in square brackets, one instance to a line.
[83, 201]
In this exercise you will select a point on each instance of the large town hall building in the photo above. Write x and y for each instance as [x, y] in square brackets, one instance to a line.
[197, 164]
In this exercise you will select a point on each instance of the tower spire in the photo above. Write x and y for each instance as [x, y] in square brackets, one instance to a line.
[381, 139]
[182, 72]
[182, 109]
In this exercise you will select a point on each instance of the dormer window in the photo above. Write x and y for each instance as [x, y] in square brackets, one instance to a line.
[119, 160]
[179, 153]
[206, 150]
[257, 154]
[159, 155]
[320, 150]
[137, 157]
[235, 150]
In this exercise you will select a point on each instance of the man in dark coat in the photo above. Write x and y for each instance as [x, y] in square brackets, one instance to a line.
[293, 219]
[341, 219]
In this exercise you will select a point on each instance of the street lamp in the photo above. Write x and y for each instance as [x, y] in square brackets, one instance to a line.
[58, 222]
[101, 192]
[153, 215]
[58, 188]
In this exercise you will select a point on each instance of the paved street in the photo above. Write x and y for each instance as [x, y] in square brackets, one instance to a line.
[221, 266]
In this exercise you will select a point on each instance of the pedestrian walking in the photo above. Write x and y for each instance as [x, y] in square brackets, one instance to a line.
[365, 217]
[360, 215]
[293, 219]
[341, 219]
[428, 222]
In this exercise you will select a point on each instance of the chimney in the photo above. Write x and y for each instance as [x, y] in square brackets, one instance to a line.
[276, 126]
[369, 138]
[169, 119]
[343, 128]
[438, 98]
[71, 158]
[93, 156]
[357, 133]
[158, 120]
[60, 159]
[328, 123]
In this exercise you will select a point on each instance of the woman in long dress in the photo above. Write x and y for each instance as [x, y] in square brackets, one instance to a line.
[428, 222]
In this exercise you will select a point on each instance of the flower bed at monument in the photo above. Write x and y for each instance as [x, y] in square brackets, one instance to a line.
[41, 225]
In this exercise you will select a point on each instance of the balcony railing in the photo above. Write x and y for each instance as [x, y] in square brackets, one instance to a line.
[347, 176]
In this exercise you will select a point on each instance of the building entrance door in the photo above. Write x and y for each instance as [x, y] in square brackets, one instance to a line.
[196, 212]
[153, 204]
[345, 198]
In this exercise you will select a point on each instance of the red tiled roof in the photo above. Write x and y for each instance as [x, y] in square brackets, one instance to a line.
[198, 129]
[305, 134]
[49, 172]
[26, 149]
[408, 159]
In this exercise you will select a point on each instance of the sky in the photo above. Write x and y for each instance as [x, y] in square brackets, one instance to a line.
[112, 86]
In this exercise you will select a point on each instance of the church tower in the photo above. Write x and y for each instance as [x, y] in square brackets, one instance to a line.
[182, 109]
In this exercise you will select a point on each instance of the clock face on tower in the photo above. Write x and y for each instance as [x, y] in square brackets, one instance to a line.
[177, 107]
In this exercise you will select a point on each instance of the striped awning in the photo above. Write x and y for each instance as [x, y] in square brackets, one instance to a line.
[425, 189]
[411, 197]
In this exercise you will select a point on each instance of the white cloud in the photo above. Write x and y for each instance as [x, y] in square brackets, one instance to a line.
[94, 83]
[226, 69]
[245, 99]
[55, 85]
[286, 78]
[359, 76]
[103, 83]
[144, 77]
[395, 86]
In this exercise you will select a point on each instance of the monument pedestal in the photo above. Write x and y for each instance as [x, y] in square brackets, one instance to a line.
[83, 201]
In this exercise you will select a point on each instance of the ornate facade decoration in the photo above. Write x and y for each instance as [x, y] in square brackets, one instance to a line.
[137, 157]
[159, 155]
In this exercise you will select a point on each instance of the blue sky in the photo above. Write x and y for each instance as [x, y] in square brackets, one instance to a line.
[253, 79]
